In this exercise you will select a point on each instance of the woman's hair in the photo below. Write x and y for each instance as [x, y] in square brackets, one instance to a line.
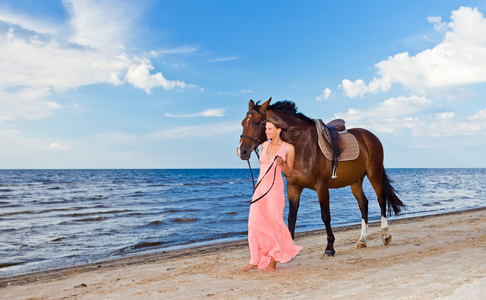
[288, 134]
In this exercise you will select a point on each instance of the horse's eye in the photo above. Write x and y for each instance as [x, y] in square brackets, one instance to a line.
[257, 123]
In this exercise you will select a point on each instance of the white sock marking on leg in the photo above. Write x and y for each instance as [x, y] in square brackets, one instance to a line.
[384, 223]
[364, 230]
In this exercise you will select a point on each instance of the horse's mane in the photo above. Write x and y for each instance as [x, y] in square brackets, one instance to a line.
[286, 107]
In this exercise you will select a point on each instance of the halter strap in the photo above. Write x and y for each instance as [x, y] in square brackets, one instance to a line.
[256, 142]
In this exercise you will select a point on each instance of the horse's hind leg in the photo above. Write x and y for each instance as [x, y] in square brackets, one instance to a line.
[377, 184]
[384, 231]
[357, 189]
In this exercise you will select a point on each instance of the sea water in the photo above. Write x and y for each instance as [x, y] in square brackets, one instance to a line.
[58, 218]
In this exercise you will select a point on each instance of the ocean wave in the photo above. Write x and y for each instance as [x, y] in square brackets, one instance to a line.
[109, 212]
[55, 188]
[97, 219]
[237, 196]
[179, 211]
[137, 194]
[184, 220]
[167, 184]
[186, 184]
[155, 223]
[138, 247]
[34, 212]
[11, 264]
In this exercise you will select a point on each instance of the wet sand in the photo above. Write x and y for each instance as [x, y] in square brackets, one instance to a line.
[433, 257]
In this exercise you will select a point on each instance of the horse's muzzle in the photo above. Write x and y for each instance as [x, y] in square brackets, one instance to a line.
[243, 153]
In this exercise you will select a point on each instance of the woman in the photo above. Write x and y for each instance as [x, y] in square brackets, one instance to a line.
[269, 238]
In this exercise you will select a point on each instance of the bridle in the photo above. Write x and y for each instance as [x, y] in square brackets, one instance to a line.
[257, 142]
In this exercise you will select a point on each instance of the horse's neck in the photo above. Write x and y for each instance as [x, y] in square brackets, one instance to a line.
[290, 120]
[307, 132]
[307, 136]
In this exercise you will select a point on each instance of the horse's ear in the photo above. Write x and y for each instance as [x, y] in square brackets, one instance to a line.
[250, 105]
[265, 105]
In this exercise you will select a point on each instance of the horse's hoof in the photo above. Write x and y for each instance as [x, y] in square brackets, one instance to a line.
[361, 244]
[329, 253]
[387, 240]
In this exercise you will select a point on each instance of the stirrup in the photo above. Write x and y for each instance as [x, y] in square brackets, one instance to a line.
[334, 170]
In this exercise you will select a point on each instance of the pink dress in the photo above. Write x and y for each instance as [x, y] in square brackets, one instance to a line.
[268, 235]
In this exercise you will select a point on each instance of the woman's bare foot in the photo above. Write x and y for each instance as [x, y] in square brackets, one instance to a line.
[249, 267]
[272, 266]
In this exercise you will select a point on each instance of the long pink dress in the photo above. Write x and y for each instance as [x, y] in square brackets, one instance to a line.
[268, 235]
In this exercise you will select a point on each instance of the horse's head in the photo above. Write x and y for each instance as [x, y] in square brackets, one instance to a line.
[253, 129]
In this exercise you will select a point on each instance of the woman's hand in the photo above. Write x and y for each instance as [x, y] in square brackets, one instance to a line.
[286, 169]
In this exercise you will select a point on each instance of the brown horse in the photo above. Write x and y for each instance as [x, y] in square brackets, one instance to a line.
[313, 170]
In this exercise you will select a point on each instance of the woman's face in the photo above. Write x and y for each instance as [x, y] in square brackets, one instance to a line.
[271, 131]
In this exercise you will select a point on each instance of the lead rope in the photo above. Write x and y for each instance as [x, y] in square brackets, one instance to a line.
[273, 182]
[251, 171]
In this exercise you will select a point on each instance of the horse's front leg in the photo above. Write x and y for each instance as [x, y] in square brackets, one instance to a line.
[293, 194]
[323, 194]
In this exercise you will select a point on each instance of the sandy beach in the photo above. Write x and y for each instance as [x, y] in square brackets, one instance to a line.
[433, 257]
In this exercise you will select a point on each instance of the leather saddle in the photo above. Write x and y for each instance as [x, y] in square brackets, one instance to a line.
[332, 133]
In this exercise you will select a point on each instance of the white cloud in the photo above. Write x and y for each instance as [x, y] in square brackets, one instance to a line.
[206, 130]
[479, 116]
[100, 25]
[41, 26]
[246, 91]
[217, 112]
[176, 132]
[458, 60]
[139, 75]
[359, 87]
[58, 146]
[438, 24]
[413, 114]
[324, 95]
[29, 103]
[180, 50]
[20, 151]
[89, 48]
[394, 108]
[446, 115]
[392, 115]
[224, 59]
[452, 125]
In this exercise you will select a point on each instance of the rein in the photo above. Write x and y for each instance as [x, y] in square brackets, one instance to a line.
[273, 182]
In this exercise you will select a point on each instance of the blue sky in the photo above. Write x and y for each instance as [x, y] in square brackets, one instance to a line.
[165, 84]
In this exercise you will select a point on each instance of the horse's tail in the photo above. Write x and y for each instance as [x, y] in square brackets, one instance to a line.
[392, 200]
